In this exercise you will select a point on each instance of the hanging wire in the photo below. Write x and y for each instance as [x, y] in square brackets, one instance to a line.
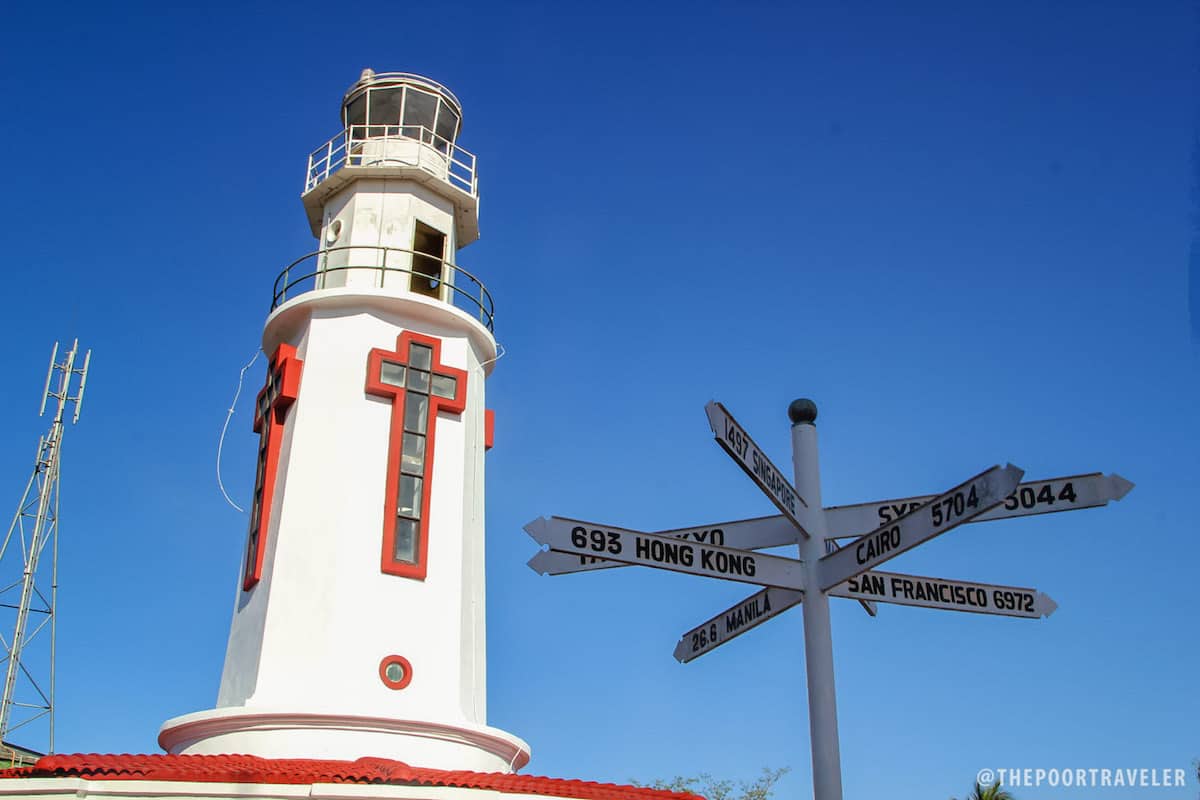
[499, 354]
[225, 427]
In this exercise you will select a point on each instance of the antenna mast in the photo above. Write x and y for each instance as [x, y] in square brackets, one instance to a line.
[28, 693]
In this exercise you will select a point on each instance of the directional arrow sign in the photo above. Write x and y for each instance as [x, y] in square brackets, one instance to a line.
[1046, 496]
[889, 587]
[1032, 497]
[868, 605]
[745, 534]
[946, 511]
[735, 441]
[914, 590]
[751, 612]
[750, 534]
[664, 552]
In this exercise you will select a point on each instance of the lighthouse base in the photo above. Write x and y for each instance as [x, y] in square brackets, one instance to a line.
[289, 734]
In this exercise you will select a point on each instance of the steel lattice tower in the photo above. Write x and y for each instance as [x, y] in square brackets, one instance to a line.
[28, 635]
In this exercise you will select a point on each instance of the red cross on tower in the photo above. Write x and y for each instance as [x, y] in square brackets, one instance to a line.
[419, 386]
[276, 397]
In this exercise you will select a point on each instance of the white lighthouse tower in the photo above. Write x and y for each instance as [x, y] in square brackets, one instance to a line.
[358, 627]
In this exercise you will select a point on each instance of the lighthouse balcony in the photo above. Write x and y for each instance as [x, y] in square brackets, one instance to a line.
[392, 269]
[412, 152]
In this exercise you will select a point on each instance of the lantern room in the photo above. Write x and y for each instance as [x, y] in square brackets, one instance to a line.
[402, 104]
[391, 198]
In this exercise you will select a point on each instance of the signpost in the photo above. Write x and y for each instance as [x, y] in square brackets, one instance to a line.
[746, 534]
[666, 552]
[882, 530]
[886, 587]
[745, 452]
[1046, 496]
[979, 598]
[750, 613]
[942, 513]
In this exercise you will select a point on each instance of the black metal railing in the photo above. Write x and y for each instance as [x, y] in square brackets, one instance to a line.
[424, 275]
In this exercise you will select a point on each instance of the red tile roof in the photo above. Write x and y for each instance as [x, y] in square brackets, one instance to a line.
[252, 769]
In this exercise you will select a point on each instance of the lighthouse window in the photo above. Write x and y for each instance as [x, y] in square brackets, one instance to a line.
[277, 395]
[431, 390]
[396, 672]
[420, 356]
[418, 381]
[416, 412]
[445, 386]
[409, 502]
[392, 373]
[412, 458]
[429, 247]
[252, 538]
[405, 548]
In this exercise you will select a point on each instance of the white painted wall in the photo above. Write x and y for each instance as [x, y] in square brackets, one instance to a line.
[381, 213]
[326, 612]
[301, 673]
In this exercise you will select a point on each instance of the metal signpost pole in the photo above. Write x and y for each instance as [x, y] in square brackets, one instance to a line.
[818, 639]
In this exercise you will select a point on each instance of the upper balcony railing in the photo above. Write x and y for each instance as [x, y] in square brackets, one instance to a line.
[400, 145]
[373, 267]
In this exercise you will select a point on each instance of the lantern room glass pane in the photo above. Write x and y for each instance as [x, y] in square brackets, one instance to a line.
[420, 108]
[447, 122]
[385, 106]
[405, 547]
[356, 112]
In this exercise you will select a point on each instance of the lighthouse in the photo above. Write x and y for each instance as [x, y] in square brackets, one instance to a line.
[358, 624]
[355, 665]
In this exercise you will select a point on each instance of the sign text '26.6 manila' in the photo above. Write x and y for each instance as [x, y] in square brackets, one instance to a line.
[879, 531]
[734, 621]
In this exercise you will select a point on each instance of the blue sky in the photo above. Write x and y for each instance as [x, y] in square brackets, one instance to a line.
[964, 231]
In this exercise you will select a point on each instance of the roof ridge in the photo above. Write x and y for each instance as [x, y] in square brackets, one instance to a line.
[245, 768]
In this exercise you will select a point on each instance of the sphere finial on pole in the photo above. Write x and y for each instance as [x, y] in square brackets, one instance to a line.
[801, 411]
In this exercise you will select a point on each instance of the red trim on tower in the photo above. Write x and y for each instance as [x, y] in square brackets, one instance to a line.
[455, 405]
[405, 665]
[489, 429]
[252, 769]
[280, 390]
